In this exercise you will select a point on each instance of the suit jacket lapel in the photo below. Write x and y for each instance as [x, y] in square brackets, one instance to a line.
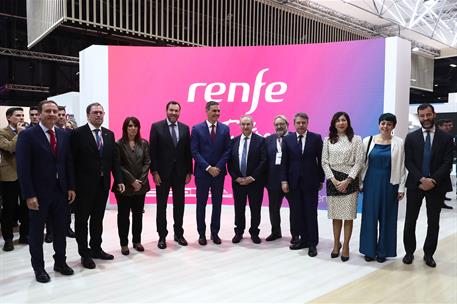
[44, 140]
[91, 138]
[166, 131]
[237, 148]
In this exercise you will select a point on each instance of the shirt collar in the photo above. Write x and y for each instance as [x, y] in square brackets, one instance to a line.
[210, 124]
[304, 134]
[45, 129]
[243, 136]
[92, 127]
[12, 129]
[169, 122]
[432, 130]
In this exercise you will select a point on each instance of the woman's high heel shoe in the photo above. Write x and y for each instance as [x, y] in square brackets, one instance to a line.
[344, 258]
[334, 255]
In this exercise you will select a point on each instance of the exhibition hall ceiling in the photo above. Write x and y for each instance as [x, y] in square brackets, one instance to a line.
[429, 22]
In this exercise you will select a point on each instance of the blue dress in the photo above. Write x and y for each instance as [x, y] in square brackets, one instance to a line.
[380, 204]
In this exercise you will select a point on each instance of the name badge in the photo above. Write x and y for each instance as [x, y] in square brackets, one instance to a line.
[278, 158]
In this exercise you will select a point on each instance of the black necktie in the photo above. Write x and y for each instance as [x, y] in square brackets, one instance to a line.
[427, 155]
[300, 143]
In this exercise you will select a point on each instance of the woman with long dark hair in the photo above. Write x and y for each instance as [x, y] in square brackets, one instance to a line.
[342, 160]
[135, 162]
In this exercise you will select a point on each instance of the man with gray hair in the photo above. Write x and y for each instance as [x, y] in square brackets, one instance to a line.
[247, 168]
[273, 144]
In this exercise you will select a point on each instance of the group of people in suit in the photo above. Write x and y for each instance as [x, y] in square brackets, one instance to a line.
[56, 168]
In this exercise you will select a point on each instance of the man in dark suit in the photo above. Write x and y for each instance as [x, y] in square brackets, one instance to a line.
[247, 168]
[302, 175]
[12, 209]
[428, 158]
[210, 145]
[273, 185]
[446, 125]
[46, 177]
[95, 157]
[171, 167]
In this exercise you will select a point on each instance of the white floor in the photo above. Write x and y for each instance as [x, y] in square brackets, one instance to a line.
[245, 272]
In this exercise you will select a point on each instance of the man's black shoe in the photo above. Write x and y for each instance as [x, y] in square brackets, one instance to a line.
[408, 258]
[42, 276]
[63, 269]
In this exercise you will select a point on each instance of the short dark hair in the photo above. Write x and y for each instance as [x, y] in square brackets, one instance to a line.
[301, 115]
[94, 104]
[10, 111]
[443, 121]
[43, 102]
[172, 102]
[425, 106]
[209, 104]
[125, 126]
[33, 109]
[61, 108]
[388, 117]
[333, 132]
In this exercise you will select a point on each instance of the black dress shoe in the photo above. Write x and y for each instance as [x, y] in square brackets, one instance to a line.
[87, 262]
[125, 250]
[71, 233]
[255, 239]
[202, 240]
[273, 237]
[216, 239]
[23, 240]
[8, 246]
[429, 261]
[444, 206]
[312, 251]
[138, 247]
[237, 238]
[380, 259]
[295, 239]
[100, 254]
[334, 255]
[162, 244]
[48, 238]
[368, 259]
[181, 240]
[344, 258]
[63, 269]
[42, 276]
[297, 246]
[408, 258]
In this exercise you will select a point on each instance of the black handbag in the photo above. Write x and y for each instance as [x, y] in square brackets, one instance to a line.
[340, 176]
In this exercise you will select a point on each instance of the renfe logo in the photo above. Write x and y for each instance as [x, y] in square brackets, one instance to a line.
[217, 91]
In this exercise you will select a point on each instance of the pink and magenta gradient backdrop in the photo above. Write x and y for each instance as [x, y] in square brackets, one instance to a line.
[321, 79]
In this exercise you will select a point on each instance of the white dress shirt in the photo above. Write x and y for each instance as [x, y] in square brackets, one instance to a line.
[432, 134]
[176, 129]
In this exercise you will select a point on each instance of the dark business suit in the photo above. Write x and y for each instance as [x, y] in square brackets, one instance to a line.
[93, 178]
[440, 166]
[172, 163]
[256, 162]
[304, 174]
[207, 152]
[47, 177]
[273, 185]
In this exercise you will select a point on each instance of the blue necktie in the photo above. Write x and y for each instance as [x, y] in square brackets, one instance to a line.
[427, 155]
[99, 141]
[244, 157]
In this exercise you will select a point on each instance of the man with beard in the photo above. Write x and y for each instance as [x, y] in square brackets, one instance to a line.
[273, 185]
[428, 158]
[171, 167]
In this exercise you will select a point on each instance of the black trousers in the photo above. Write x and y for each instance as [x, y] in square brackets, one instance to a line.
[55, 211]
[177, 185]
[275, 198]
[241, 194]
[90, 207]
[303, 215]
[433, 201]
[13, 208]
[125, 205]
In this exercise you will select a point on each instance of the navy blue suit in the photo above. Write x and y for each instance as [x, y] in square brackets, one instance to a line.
[273, 185]
[304, 174]
[208, 153]
[47, 177]
[256, 162]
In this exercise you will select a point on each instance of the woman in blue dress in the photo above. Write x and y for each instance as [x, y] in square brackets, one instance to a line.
[383, 185]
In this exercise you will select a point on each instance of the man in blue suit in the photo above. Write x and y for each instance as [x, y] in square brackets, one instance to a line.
[210, 145]
[46, 178]
[247, 169]
[303, 177]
